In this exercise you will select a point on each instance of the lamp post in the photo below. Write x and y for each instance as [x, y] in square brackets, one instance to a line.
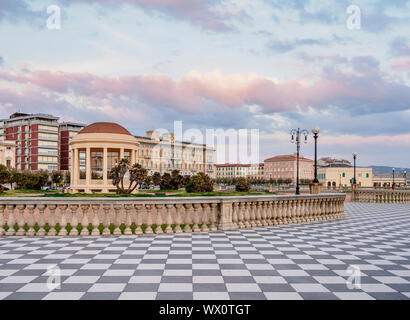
[393, 177]
[315, 132]
[296, 133]
[354, 167]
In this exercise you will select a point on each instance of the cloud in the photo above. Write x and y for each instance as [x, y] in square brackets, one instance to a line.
[400, 46]
[17, 10]
[1, 61]
[208, 14]
[402, 65]
[362, 90]
[282, 46]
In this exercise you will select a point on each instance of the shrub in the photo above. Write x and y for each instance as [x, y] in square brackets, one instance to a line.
[200, 182]
[242, 185]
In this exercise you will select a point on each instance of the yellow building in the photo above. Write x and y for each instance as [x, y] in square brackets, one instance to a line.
[342, 176]
[230, 170]
[7, 153]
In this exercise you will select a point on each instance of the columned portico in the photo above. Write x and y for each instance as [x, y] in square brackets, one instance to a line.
[94, 152]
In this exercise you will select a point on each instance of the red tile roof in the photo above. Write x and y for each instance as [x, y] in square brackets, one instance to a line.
[287, 157]
[105, 127]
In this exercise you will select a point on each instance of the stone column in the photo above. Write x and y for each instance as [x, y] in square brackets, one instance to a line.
[105, 167]
[88, 167]
[72, 170]
[121, 153]
[225, 220]
[75, 164]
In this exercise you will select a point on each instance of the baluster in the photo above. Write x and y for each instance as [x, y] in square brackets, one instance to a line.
[107, 222]
[235, 214]
[178, 219]
[168, 229]
[213, 217]
[263, 214]
[247, 214]
[31, 222]
[11, 220]
[269, 213]
[314, 215]
[306, 208]
[52, 221]
[158, 221]
[319, 217]
[187, 217]
[252, 214]
[286, 212]
[299, 211]
[138, 222]
[41, 221]
[117, 219]
[195, 227]
[205, 220]
[128, 220]
[275, 216]
[2, 220]
[84, 220]
[295, 211]
[148, 230]
[328, 208]
[281, 207]
[241, 225]
[20, 220]
[258, 215]
[96, 220]
[63, 220]
[74, 220]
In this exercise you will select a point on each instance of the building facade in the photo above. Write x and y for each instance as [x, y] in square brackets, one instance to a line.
[386, 180]
[229, 170]
[41, 142]
[97, 148]
[284, 167]
[337, 176]
[163, 154]
[7, 153]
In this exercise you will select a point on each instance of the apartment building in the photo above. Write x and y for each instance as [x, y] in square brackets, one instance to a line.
[230, 170]
[284, 167]
[162, 153]
[41, 142]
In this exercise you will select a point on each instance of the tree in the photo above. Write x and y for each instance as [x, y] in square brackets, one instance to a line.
[165, 183]
[243, 185]
[156, 178]
[200, 182]
[177, 181]
[5, 176]
[57, 177]
[137, 176]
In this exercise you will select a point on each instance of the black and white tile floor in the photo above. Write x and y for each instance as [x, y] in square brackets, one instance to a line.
[301, 261]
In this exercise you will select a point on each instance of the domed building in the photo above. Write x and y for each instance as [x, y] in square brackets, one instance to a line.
[95, 150]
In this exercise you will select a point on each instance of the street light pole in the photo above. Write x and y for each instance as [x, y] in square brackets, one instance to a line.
[315, 132]
[354, 167]
[393, 177]
[296, 133]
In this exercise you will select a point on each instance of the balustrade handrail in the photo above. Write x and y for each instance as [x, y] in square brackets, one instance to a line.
[382, 196]
[146, 215]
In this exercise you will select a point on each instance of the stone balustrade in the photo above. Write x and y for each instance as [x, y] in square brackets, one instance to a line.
[135, 216]
[382, 195]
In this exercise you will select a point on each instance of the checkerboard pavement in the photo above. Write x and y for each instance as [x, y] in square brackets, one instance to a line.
[300, 261]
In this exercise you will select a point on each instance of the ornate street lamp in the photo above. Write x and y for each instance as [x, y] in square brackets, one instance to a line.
[296, 134]
[354, 154]
[315, 132]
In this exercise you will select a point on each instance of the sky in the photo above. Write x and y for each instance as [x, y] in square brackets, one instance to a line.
[233, 64]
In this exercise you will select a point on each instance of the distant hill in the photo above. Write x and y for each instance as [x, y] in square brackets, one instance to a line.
[387, 170]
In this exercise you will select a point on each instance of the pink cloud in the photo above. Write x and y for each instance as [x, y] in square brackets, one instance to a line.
[402, 65]
[196, 91]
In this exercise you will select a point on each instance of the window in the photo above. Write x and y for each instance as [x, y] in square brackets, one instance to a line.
[367, 175]
[343, 175]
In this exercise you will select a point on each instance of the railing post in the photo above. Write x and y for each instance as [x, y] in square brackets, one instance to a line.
[225, 220]
[188, 220]
[213, 217]
[41, 222]
[84, 220]
[205, 219]
[138, 219]
[195, 227]
[168, 229]
[52, 221]
[117, 219]
[241, 225]
[11, 220]
[20, 220]
[158, 229]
